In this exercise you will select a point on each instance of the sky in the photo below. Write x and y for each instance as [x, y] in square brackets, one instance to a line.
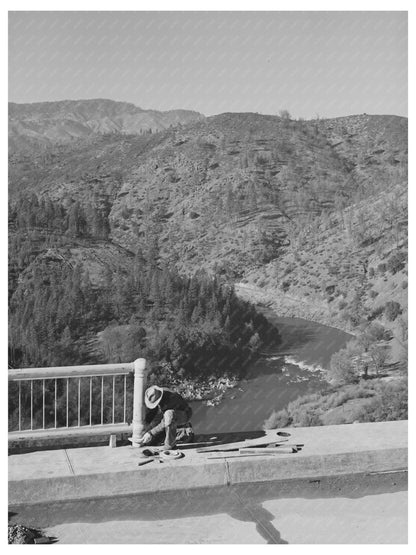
[312, 64]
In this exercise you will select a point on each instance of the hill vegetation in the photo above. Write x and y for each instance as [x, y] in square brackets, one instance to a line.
[140, 304]
[116, 236]
[368, 401]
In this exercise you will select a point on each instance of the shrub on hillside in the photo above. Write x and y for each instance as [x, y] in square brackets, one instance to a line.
[279, 419]
[382, 268]
[376, 313]
[345, 364]
[304, 411]
[289, 269]
[388, 335]
[342, 304]
[377, 332]
[396, 262]
[284, 114]
[354, 318]
[381, 401]
[378, 354]
[349, 392]
[310, 409]
[390, 403]
[392, 310]
[342, 367]
[310, 418]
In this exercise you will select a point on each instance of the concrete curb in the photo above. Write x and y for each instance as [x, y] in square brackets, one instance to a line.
[213, 473]
[92, 472]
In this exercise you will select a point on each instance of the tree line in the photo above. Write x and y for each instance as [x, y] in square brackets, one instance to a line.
[193, 327]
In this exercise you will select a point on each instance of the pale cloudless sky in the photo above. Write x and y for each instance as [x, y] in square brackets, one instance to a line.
[326, 63]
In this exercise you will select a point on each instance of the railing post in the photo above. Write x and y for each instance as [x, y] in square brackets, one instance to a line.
[140, 378]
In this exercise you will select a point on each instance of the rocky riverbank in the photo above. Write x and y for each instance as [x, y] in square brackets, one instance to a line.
[209, 390]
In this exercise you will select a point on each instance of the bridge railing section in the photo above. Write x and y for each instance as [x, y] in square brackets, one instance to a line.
[77, 398]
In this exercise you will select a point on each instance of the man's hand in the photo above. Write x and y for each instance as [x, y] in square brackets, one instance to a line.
[147, 438]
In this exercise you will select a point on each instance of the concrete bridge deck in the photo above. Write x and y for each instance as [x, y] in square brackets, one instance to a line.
[99, 472]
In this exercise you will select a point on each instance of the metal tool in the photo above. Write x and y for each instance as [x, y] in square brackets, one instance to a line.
[267, 450]
[235, 455]
[261, 442]
[150, 454]
[171, 455]
[145, 461]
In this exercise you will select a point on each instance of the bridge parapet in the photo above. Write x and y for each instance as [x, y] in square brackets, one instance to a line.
[76, 401]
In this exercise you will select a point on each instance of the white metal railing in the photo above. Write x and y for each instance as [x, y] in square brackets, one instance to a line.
[78, 373]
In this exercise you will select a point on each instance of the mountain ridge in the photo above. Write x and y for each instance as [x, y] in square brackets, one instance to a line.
[63, 121]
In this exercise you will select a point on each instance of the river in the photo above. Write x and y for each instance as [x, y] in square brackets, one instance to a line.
[293, 370]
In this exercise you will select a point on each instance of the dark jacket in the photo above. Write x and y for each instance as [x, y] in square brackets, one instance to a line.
[170, 401]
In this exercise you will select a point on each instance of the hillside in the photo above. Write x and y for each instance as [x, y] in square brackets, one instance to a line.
[49, 122]
[314, 213]
[344, 268]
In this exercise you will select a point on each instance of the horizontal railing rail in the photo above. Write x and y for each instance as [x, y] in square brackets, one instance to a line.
[82, 386]
[70, 371]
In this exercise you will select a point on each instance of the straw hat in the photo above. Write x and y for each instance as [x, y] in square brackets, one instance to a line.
[153, 396]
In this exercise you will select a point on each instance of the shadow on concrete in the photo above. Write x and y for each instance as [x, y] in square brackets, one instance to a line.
[223, 438]
[154, 507]
[243, 502]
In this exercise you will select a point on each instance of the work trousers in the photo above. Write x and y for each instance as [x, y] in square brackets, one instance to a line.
[172, 419]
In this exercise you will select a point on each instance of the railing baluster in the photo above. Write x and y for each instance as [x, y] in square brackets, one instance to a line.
[125, 398]
[102, 399]
[20, 405]
[79, 402]
[31, 404]
[55, 402]
[114, 383]
[43, 404]
[40, 416]
[90, 400]
[67, 402]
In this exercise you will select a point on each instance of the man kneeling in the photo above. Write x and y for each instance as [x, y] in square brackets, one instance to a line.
[170, 410]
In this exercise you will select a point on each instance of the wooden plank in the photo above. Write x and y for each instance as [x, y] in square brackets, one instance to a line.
[261, 442]
[197, 444]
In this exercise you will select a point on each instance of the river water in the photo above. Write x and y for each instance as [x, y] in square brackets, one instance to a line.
[294, 369]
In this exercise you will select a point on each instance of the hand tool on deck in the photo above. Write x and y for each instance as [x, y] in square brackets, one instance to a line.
[267, 450]
[151, 454]
[264, 442]
[272, 446]
[255, 452]
[230, 455]
[146, 461]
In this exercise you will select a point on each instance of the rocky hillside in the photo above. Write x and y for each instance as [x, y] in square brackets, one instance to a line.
[314, 212]
[63, 121]
[344, 271]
